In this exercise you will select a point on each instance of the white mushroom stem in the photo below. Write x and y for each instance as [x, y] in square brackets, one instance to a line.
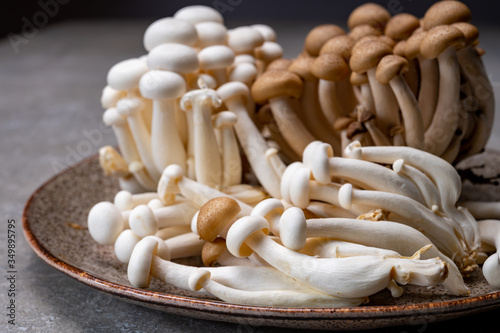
[343, 277]
[428, 92]
[169, 232]
[251, 140]
[124, 200]
[173, 182]
[446, 116]
[139, 171]
[448, 238]
[145, 221]
[318, 157]
[185, 245]
[231, 159]
[482, 210]
[208, 167]
[246, 193]
[132, 107]
[276, 298]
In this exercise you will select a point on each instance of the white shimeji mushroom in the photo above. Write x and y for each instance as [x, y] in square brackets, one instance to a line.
[198, 13]
[165, 88]
[207, 158]
[216, 60]
[244, 40]
[105, 222]
[210, 33]
[124, 200]
[490, 235]
[170, 30]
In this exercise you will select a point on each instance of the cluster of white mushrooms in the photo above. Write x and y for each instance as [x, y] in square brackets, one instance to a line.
[313, 182]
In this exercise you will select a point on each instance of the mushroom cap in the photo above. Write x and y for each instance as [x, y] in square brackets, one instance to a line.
[303, 67]
[207, 79]
[126, 74]
[105, 223]
[279, 64]
[123, 200]
[139, 265]
[124, 245]
[199, 13]
[268, 51]
[439, 39]
[293, 228]
[401, 26]
[143, 221]
[444, 13]
[366, 56]
[276, 83]
[241, 230]
[470, 32]
[364, 30]
[244, 39]
[491, 270]
[355, 128]
[244, 72]
[412, 45]
[216, 57]
[173, 57]
[369, 13]
[267, 206]
[318, 36]
[341, 45]
[110, 96]
[215, 215]
[162, 85]
[358, 79]
[210, 33]
[331, 67]
[111, 117]
[342, 123]
[266, 31]
[244, 58]
[399, 48]
[224, 118]
[169, 30]
[129, 106]
[231, 89]
[211, 251]
[391, 66]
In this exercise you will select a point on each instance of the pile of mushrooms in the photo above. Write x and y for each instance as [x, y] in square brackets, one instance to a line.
[312, 182]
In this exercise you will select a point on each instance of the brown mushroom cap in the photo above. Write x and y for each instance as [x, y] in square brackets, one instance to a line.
[211, 251]
[279, 64]
[364, 30]
[276, 83]
[470, 32]
[214, 216]
[401, 26]
[342, 123]
[331, 67]
[369, 13]
[391, 66]
[412, 45]
[439, 39]
[319, 35]
[399, 48]
[358, 79]
[341, 45]
[302, 67]
[444, 13]
[355, 128]
[366, 56]
[364, 115]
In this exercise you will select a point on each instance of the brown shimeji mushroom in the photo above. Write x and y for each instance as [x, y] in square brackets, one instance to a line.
[318, 36]
[371, 14]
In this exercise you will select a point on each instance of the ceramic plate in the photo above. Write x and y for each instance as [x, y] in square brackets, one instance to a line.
[55, 220]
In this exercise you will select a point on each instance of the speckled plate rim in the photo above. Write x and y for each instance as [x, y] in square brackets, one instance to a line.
[209, 308]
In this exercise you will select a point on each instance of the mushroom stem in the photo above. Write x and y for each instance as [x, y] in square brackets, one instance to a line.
[429, 89]
[482, 210]
[231, 159]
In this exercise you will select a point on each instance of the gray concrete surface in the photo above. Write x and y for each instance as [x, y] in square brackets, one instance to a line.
[49, 107]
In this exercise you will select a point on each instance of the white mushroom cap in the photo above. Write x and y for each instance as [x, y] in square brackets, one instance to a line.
[173, 57]
[244, 72]
[293, 228]
[129, 106]
[244, 58]
[224, 118]
[157, 84]
[170, 30]
[266, 31]
[232, 89]
[268, 51]
[143, 221]
[216, 57]
[123, 200]
[208, 80]
[105, 223]
[241, 230]
[210, 33]
[110, 96]
[126, 74]
[124, 245]
[244, 39]
[139, 266]
[198, 13]
[112, 117]
[491, 270]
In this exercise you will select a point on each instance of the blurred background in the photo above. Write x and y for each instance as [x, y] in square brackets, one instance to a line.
[235, 11]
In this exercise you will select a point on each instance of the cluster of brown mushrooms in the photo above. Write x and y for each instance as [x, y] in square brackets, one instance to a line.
[312, 182]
